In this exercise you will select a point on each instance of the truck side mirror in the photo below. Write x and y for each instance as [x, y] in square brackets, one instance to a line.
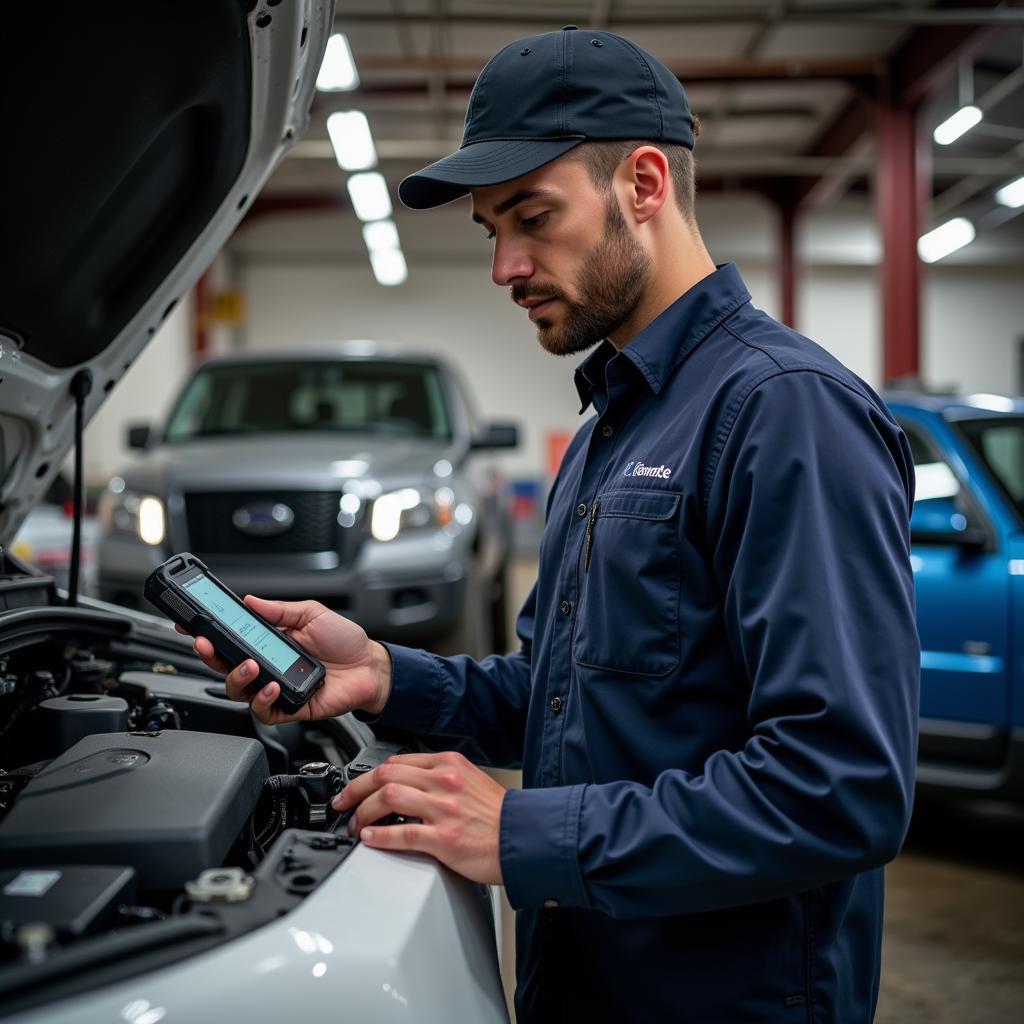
[938, 522]
[138, 435]
[497, 435]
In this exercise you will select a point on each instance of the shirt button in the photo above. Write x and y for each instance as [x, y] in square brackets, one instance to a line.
[607, 430]
[581, 509]
[550, 904]
[565, 607]
[556, 704]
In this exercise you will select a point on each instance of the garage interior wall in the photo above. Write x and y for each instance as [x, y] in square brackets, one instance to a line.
[306, 280]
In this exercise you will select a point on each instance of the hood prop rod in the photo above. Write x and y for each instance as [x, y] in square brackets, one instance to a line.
[81, 385]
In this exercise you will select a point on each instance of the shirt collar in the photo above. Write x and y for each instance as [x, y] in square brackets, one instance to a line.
[659, 349]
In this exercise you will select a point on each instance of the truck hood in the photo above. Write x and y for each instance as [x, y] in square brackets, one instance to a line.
[301, 461]
[141, 133]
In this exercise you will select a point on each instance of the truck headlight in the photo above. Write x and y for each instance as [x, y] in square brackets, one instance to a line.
[411, 508]
[124, 511]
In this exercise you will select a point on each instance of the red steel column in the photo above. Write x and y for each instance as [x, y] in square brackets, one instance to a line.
[899, 191]
[787, 263]
[201, 317]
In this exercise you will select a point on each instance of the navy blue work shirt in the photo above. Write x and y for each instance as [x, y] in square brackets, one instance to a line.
[715, 701]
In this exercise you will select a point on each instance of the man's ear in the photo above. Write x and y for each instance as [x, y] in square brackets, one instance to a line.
[647, 181]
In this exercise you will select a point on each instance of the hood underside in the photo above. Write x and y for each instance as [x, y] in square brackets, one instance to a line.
[133, 128]
[137, 136]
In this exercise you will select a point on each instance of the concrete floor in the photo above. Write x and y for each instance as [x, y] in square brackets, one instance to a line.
[954, 928]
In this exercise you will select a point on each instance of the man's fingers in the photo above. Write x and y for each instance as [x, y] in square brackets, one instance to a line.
[262, 705]
[422, 838]
[424, 760]
[396, 770]
[209, 656]
[240, 679]
[284, 614]
[393, 799]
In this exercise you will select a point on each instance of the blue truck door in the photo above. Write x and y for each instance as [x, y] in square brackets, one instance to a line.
[963, 607]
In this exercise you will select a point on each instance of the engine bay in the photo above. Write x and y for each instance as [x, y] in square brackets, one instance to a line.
[145, 816]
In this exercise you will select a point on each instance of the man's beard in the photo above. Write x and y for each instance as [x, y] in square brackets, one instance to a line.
[610, 286]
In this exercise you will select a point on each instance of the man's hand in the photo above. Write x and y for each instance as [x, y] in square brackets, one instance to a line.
[358, 668]
[458, 804]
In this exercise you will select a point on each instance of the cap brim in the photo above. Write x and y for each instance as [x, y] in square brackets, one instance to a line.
[477, 165]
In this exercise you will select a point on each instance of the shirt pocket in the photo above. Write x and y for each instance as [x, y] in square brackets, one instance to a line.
[628, 615]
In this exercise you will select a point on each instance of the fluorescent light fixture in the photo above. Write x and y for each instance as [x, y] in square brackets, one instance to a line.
[369, 195]
[381, 234]
[338, 71]
[946, 238]
[388, 266]
[1012, 195]
[953, 127]
[353, 144]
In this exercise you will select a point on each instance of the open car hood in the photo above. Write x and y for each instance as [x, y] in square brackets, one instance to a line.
[137, 134]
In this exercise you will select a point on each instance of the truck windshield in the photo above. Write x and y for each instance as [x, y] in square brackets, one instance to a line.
[999, 443]
[356, 396]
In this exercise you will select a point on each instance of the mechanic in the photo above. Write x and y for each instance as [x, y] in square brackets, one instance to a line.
[715, 697]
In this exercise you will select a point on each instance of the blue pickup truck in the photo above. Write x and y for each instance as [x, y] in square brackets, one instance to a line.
[967, 534]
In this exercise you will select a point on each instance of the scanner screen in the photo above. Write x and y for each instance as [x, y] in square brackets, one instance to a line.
[234, 615]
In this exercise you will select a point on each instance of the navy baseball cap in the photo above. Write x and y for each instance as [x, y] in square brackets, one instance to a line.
[539, 97]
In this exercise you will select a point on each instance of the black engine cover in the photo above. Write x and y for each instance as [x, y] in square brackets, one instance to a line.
[168, 804]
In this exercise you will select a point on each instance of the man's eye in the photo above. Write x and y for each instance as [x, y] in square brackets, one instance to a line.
[534, 222]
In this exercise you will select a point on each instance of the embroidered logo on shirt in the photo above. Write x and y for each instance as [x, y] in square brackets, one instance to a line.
[639, 469]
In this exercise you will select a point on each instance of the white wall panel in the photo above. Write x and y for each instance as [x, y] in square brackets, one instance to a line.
[973, 328]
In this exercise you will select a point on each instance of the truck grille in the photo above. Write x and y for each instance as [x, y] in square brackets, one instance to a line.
[315, 527]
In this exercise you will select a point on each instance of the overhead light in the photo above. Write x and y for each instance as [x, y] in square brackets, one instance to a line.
[946, 238]
[381, 234]
[389, 266]
[953, 127]
[353, 144]
[338, 71]
[369, 195]
[1012, 195]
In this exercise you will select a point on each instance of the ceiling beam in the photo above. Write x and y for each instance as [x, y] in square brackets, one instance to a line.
[689, 72]
[928, 58]
[844, 135]
[917, 67]
[722, 161]
[963, 13]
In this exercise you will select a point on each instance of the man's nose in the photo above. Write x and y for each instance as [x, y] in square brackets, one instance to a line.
[511, 263]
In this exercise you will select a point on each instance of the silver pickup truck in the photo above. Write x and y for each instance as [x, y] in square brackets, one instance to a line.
[350, 474]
